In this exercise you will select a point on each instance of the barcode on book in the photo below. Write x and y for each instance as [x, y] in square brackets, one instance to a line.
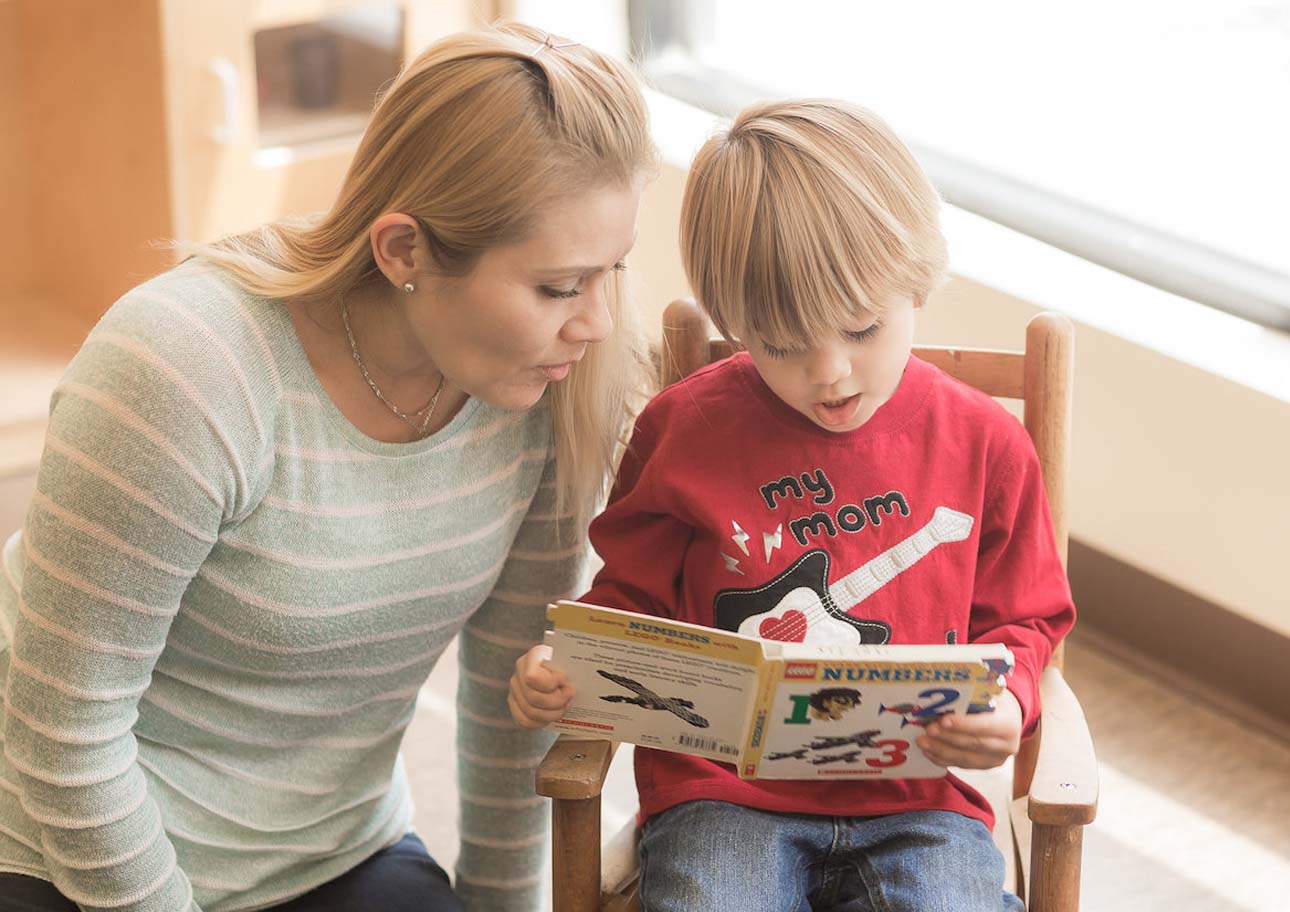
[707, 744]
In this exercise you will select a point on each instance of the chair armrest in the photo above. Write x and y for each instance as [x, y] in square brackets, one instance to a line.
[575, 768]
[1063, 791]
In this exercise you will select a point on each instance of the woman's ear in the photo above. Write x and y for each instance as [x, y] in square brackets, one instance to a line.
[398, 248]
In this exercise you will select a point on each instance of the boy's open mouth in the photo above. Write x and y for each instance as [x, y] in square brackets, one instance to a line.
[838, 411]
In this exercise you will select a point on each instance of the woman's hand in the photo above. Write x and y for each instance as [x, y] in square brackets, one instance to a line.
[539, 695]
[976, 741]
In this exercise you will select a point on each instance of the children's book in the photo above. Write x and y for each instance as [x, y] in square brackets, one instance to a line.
[774, 710]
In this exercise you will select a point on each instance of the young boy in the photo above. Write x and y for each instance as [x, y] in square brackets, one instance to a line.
[811, 236]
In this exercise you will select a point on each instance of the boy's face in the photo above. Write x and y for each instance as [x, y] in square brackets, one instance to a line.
[842, 381]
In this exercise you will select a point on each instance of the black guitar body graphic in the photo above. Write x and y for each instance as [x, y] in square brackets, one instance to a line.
[805, 582]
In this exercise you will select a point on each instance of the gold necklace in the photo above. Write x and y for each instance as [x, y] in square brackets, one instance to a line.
[418, 420]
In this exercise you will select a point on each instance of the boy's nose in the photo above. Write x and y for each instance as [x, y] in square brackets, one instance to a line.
[827, 365]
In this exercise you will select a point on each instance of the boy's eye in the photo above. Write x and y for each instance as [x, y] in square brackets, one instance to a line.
[867, 333]
[777, 353]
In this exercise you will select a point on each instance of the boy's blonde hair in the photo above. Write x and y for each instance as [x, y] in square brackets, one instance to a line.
[473, 139]
[803, 216]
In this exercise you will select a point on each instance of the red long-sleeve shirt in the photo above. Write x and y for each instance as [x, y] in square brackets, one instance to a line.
[726, 494]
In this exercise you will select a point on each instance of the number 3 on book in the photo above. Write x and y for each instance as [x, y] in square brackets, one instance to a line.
[893, 754]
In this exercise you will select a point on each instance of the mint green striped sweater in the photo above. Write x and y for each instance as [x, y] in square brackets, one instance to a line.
[216, 619]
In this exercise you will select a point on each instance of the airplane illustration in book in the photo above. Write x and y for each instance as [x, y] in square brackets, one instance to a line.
[799, 754]
[913, 714]
[828, 742]
[682, 709]
[854, 756]
[859, 739]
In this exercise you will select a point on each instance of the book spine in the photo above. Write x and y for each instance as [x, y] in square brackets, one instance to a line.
[759, 719]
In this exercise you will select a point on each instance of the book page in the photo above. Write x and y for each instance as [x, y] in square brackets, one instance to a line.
[654, 682]
[860, 716]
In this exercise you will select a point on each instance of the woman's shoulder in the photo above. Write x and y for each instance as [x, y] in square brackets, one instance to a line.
[194, 321]
[187, 342]
[195, 300]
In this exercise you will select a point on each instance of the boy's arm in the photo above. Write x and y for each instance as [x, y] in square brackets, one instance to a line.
[1021, 597]
[639, 535]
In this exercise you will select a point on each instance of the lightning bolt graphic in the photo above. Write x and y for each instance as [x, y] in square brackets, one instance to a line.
[773, 541]
[732, 564]
[740, 537]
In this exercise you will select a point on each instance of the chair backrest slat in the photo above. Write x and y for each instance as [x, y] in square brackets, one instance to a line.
[994, 372]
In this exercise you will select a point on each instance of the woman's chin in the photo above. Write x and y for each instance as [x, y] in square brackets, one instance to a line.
[517, 397]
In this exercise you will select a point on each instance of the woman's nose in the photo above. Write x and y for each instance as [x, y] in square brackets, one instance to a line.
[592, 323]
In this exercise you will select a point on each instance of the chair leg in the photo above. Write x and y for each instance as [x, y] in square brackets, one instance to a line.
[1054, 868]
[575, 854]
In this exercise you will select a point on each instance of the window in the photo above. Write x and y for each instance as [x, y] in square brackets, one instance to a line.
[1152, 137]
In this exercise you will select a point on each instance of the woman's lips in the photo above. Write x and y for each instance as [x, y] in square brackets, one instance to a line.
[837, 412]
[554, 372]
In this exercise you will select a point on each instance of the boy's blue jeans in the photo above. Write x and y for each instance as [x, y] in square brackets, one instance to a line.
[713, 855]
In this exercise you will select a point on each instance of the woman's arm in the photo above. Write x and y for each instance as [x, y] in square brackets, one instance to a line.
[504, 823]
[139, 470]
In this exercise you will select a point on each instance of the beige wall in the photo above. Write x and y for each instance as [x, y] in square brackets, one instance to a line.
[1175, 471]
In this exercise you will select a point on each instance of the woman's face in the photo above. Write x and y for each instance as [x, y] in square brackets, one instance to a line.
[528, 311]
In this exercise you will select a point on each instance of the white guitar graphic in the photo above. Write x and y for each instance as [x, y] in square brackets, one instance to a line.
[800, 605]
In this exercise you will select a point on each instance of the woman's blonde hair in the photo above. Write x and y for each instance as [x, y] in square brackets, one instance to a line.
[473, 139]
[804, 214]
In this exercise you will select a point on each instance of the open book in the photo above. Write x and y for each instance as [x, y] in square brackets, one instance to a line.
[775, 710]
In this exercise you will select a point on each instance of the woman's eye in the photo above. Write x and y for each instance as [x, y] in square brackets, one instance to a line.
[620, 266]
[560, 292]
[863, 334]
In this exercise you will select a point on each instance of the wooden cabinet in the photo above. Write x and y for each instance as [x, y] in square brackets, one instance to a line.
[265, 98]
[129, 123]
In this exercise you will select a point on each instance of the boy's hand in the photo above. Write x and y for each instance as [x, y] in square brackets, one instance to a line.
[539, 695]
[976, 741]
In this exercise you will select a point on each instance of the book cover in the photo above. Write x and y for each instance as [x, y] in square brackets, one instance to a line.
[775, 710]
[856, 712]
[657, 683]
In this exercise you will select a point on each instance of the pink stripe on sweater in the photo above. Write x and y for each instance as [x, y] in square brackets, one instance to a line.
[135, 422]
[134, 493]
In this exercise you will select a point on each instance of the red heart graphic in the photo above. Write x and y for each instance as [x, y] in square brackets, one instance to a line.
[789, 627]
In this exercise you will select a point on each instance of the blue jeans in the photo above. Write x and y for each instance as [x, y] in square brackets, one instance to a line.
[715, 856]
[402, 878]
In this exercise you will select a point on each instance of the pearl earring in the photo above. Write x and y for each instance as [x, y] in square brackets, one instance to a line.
[409, 287]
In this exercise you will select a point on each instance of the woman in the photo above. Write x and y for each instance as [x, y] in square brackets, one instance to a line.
[280, 478]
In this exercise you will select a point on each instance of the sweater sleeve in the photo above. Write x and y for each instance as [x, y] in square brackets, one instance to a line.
[152, 434]
[504, 822]
[638, 536]
[1021, 597]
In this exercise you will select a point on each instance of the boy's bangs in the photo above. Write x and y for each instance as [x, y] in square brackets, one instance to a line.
[803, 321]
[803, 283]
